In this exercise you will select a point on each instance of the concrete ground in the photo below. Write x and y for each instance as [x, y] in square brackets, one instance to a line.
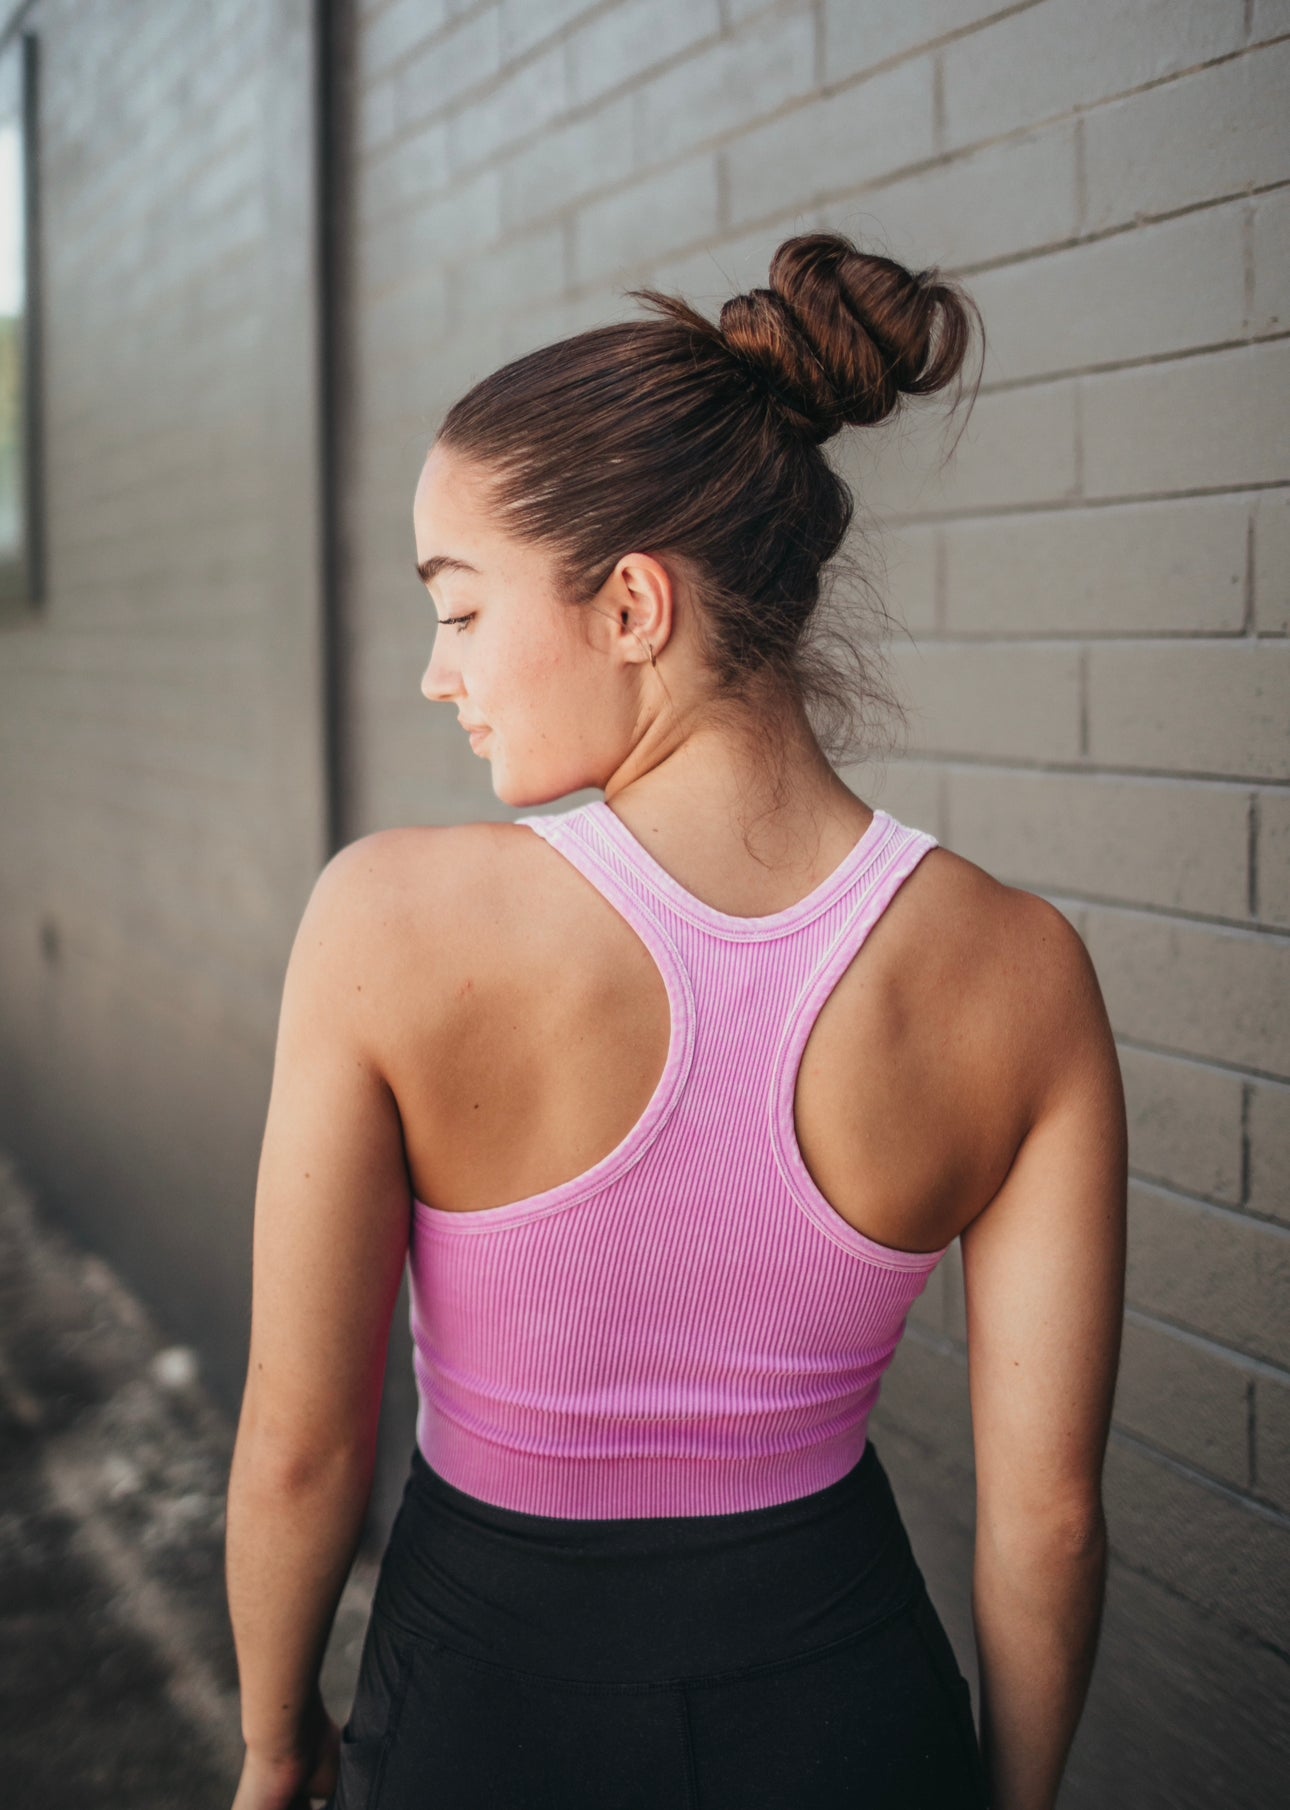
[118, 1682]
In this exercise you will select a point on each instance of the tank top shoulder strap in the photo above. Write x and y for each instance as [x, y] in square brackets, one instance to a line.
[900, 853]
[566, 832]
[611, 867]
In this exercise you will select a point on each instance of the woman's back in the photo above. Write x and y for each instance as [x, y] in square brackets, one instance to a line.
[526, 1027]
[597, 1074]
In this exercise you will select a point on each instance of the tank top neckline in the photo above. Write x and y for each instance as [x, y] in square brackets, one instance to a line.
[601, 816]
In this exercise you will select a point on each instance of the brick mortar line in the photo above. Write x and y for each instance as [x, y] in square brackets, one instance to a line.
[1254, 1367]
[1235, 1497]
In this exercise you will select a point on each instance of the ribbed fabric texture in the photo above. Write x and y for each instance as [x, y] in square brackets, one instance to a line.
[688, 1328]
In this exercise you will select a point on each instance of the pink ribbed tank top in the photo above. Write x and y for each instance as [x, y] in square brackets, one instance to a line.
[689, 1327]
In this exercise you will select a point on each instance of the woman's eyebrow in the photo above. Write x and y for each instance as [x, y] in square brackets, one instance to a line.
[428, 569]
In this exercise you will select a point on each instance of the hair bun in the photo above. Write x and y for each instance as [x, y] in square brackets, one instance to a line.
[841, 333]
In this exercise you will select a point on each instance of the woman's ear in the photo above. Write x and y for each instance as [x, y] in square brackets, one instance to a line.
[645, 601]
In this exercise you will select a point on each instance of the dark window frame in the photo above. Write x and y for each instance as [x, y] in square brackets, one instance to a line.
[22, 576]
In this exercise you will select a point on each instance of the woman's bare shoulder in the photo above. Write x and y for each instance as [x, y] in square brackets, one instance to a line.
[406, 865]
[979, 910]
[1017, 963]
[425, 892]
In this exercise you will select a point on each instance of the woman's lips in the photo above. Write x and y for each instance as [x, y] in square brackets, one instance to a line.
[476, 736]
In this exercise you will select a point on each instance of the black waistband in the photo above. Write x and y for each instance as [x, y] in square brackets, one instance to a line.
[649, 1597]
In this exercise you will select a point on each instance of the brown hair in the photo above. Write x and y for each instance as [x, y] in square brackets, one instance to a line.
[700, 442]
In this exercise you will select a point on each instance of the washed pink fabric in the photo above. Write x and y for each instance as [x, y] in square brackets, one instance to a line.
[688, 1328]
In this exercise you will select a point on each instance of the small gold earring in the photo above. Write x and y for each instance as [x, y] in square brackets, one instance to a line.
[650, 646]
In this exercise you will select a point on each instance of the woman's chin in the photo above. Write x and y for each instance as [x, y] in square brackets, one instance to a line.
[520, 797]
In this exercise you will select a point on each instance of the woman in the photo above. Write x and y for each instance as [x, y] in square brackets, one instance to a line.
[673, 1101]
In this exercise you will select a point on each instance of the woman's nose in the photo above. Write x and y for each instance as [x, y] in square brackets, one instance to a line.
[438, 683]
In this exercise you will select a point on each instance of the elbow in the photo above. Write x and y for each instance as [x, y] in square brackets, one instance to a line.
[1071, 1534]
[1086, 1530]
[281, 1462]
[285, 1471]
[1080, 1539]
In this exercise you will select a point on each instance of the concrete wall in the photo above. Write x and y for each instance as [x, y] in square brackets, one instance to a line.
[160, 777]
[1096, 590]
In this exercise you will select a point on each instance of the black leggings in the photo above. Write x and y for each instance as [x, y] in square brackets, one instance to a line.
[782, 1658]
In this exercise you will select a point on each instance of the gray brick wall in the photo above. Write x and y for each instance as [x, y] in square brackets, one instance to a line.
[1097, 593]
[159, 715]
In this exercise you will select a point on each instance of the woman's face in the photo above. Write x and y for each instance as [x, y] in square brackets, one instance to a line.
[555, 690]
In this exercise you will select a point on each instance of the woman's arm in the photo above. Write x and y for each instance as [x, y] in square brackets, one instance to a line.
[1044, 1282]
[332, 1210]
